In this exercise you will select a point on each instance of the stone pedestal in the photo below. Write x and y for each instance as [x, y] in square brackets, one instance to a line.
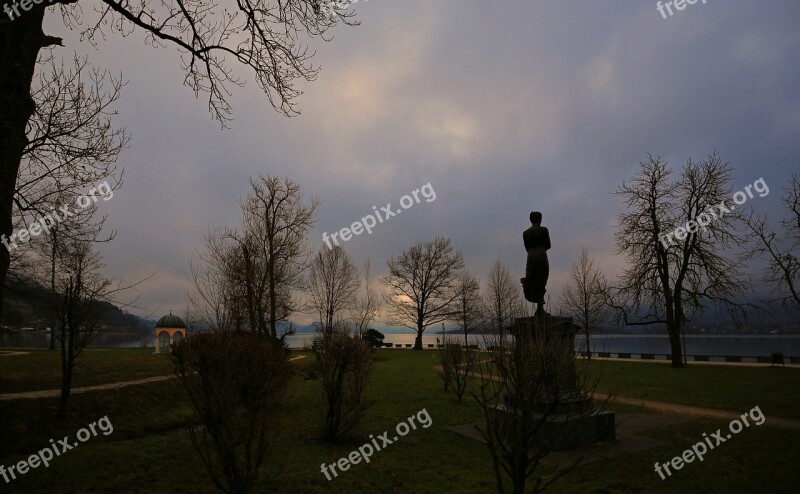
[568, 418]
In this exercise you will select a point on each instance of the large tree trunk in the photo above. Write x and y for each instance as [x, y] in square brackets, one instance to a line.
[418, 339]
[20, 42]
[674, 330]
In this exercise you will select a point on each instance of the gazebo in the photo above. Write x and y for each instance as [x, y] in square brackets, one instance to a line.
[169, 329]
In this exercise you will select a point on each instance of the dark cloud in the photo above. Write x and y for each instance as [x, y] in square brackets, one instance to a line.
[504, 107]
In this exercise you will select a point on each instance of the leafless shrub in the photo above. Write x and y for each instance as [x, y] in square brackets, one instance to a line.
[235, 381]
[524, 384]
[458, 365]
[345, 362]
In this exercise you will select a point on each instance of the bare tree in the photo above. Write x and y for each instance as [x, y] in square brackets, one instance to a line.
[584, 296]
[783, 273]
[420, 285]
[468, 310]
[217, 298]
[236, 382]
[71, 141]
[503, 302]
[332, 285]
[263, 36]
[278, 222]
[458, 364]
[674, 236]
[345, 362]
[244, 277]
[79, 228]
[72, 146]
[83, 293]
[367, 307]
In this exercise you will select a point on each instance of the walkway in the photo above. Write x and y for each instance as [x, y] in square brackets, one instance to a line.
[676, 409]
[685, 410]
[54, 393]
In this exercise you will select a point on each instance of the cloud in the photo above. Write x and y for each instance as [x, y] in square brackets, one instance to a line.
[503, 107]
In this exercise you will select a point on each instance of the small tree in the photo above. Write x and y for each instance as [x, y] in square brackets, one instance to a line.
[420, 286]
[584, 296]
[245, 277]
[332, 285]
[235, 381]
[367, 307]
[468, 308]
[503, 302]
[345, 362]
[458, 365]
[82, 296]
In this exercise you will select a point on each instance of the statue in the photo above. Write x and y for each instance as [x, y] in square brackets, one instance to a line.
[537, 269]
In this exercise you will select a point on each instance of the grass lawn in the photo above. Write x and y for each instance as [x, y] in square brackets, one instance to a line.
[147, 452]
[710, 386]
[41, 369]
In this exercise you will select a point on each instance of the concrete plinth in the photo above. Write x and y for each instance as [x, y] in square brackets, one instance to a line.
[566, 419]
[564, 431]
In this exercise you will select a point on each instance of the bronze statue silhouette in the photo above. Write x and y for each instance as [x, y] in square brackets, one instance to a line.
[537, 269]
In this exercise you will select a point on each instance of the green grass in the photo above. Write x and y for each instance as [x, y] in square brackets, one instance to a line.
[145, 454]
[711, 386]
[41, 369]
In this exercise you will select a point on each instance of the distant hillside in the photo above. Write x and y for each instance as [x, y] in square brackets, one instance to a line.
[26, 305]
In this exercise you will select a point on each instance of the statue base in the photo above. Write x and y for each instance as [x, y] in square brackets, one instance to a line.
[568, 419]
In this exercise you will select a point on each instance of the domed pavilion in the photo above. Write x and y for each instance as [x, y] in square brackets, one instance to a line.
[169, 329]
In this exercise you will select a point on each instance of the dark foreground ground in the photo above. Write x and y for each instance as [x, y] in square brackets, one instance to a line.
[149, 451]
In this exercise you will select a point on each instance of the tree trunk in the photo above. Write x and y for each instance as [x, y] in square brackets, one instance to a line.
[20, 42]
[272, 294]
[248, 276]
[418, 339]
[53, 296]
[674, 331]
[66, 373]
[588, 350]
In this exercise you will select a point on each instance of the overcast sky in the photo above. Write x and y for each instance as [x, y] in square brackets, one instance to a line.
[504, 107]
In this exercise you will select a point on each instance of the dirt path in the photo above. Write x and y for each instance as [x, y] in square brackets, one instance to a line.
[676, 409]
[54, 393]
[693, 411]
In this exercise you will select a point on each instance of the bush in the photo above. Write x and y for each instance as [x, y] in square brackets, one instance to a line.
[373, 337]
[458, 365]
[235, 381]
[345, 362]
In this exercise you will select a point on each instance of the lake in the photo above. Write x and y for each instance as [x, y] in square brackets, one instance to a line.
[752, 345]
